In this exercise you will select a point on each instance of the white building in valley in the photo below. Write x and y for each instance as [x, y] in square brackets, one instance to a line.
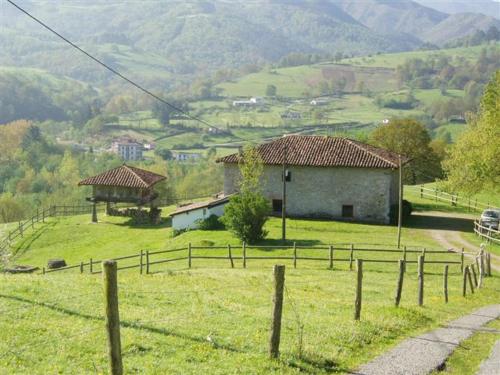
[127, 149]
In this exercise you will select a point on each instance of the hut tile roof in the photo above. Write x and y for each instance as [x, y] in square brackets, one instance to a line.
[124, 176]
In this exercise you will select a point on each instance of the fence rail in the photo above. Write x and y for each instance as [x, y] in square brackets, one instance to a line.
[453, 199]
[329, 255]
[488, 233]
[40, 216]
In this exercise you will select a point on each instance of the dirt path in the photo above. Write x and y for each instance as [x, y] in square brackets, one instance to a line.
[428, 352]
[448, 229]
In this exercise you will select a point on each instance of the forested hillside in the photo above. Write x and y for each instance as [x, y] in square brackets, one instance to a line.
[164, 44]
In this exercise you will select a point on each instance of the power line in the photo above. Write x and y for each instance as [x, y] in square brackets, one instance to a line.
[114, 71]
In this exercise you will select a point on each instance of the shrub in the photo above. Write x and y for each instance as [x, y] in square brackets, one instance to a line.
[210, 223]
[245, 216]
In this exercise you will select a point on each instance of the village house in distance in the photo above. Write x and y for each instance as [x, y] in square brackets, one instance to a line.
[327, 177]
[128, 149]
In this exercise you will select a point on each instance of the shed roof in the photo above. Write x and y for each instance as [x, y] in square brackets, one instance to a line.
[198, 205]
[322, 151]
[124, 176]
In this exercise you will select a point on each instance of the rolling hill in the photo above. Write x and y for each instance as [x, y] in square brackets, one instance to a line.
[161, 44]
[486, 7]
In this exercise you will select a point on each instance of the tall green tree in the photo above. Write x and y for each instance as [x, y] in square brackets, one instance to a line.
[247, 212]
[474, 162]
[411, 139]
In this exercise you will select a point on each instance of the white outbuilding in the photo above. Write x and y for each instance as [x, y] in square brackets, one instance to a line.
[189, 216]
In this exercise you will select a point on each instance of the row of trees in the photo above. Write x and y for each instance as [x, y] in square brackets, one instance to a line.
[441, 71]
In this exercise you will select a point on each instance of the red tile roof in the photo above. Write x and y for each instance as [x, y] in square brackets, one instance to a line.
[322, 151]
[124, 176]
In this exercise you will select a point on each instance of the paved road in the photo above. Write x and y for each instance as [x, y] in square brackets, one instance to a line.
[491, 366]
[425, 353]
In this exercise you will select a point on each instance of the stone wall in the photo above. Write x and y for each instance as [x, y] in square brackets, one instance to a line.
[321, 192]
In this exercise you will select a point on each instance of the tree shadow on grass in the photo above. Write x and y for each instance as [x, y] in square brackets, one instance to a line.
[311, 363]
[123, 323]
[287, 243]
[164, 224]
[25, 244]
[440, 222]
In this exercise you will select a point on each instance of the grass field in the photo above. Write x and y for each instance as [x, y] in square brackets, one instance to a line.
[212, 318]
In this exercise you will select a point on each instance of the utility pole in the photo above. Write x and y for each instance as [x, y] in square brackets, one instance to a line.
[400, 205]
[283, 198]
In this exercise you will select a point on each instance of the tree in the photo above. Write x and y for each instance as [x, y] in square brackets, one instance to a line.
[10, 209]
[473, 164]
[271, 90]
[247, 212]
[164, 153]
[410, 138]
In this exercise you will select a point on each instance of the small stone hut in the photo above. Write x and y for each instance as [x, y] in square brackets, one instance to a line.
[124, 184]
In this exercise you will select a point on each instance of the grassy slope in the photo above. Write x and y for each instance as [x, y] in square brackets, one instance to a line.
[394, 59]
[167, 316]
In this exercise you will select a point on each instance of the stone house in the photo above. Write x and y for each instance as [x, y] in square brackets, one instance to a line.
[326, 177]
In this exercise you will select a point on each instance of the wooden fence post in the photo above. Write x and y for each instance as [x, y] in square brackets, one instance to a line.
[141, 262]
[43, 270]
[436, 190]
[81, 267]
[404, 258]
[294, 255]
[21, 228]
[190, 252]
[230, 255]
[91, 263]
[359, 289]
[351, 257]
[244, 246]
[421, 261]
[481, 268]
[470, 279]
[445, 283]
[147, 262]
[279, 283]
[43, 216]
[399, 289]
[464, 282]
[462, 260]
[474, 274]
[32, 222]
[421, 191]
[112, 316]
[330, 257]
[488, 263]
